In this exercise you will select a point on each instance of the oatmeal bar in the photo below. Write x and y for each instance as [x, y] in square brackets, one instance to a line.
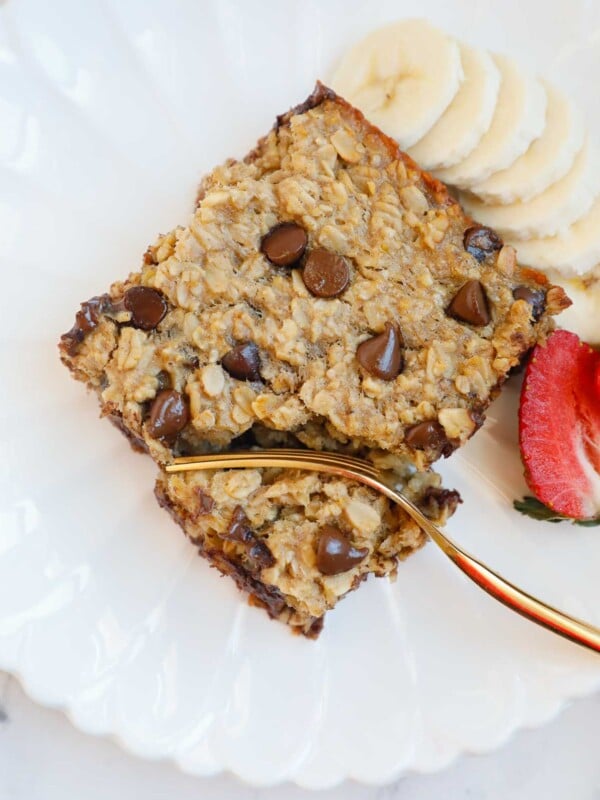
[325, 285]
[297, 541]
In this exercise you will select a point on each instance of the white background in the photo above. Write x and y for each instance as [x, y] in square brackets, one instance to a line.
[42, 757]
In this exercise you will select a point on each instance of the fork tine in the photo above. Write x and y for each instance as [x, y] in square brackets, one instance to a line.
[265, 458]
[299, 456]
[310, 455]
[344, 462]
[245, 460]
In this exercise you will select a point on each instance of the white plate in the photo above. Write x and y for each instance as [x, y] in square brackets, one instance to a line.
[110, 113]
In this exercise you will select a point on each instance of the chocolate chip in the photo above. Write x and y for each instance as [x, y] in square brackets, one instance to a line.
[169, 414]
[335, 553]
[239, 528]
[285, 244]
[480, 241]
[260, 553]
[470, 304]
[243, 362]
[425, 435]
[189, 359]
[148, 306]
[267, 597]
[205, 501]
[381, 355]
[535, 297]
[315, 628]
[89, 316]
[86, 319]
[437, 502]
[477, 417]
[325, 274]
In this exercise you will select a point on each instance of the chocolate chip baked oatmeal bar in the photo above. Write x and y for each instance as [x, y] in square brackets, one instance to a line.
[325, 288]
[297, 541]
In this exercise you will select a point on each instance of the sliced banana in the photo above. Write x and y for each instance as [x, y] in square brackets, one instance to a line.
[572, 252]
[402, 77]
[552, 211]
[467, 118]
[548, 158]
[583, 317]
[518, 119]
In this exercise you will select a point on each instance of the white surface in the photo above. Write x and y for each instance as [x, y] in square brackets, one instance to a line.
[105, 608]
[42, 757]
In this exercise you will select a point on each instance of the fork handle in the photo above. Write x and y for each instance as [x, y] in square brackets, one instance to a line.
[517, 599]
[495, 585]
[528, 606]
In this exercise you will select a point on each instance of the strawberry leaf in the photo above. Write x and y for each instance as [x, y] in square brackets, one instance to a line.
[532, 507]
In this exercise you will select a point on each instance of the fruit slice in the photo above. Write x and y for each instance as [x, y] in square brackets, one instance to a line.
[551, 211]
[583, 317]
[402, 77]
[547, 160]
[518, 119]
[559, 426]
[574, 251]
[460, 128]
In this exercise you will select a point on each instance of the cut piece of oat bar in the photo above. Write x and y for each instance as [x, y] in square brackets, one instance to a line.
[297, 541]
[324, 282]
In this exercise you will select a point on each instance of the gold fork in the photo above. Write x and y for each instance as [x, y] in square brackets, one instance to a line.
[358, 469]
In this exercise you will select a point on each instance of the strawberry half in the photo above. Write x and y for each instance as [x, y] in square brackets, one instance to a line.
[559, 426]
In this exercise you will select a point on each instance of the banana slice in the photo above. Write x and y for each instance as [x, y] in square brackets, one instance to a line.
[552, 211]
[547, 160]
[402, 77]
[583, 317]
[518, 119]
[573, 252]
[467, 118]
